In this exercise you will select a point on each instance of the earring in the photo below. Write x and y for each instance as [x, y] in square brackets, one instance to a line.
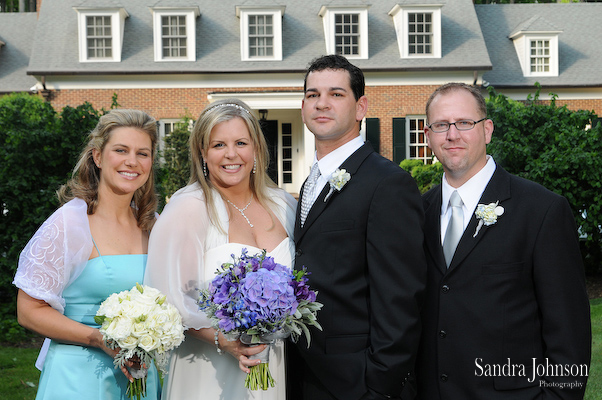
[254, 164]
[204, 168]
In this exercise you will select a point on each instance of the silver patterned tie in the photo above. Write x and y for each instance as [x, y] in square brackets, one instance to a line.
[455, 228]
[309, 192]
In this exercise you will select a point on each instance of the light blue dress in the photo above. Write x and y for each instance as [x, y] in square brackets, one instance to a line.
[79, 372]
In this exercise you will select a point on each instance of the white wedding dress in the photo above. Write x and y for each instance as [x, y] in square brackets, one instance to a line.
[198, 371]
[185, 250]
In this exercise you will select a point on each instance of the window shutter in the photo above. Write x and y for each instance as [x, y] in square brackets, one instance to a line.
[399, 140]
[373, 133]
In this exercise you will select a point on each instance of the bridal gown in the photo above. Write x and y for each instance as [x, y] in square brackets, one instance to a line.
[199, 372]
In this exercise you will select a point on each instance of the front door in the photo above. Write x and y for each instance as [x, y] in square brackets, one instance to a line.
[283, 132]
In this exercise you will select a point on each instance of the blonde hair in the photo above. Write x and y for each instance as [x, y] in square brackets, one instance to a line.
[214, 114]
[86, 175]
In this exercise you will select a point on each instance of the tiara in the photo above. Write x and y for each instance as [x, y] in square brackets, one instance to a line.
[229, 105]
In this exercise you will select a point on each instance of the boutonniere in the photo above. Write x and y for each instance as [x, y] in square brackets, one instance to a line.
[337, 180]
[487, 215]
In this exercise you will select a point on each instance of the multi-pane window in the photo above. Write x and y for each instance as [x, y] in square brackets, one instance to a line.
[168, 145]
[261, 36]
[99, 40]
[418, 148]
[346, 30]
[287, 153]
[420, 33]
[418, 29]
[540, 56]
[347, 34]
[173, 36]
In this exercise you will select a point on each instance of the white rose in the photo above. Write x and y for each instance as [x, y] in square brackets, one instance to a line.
[139, 329]
[148, 343]
[120, 328]
[128, 343]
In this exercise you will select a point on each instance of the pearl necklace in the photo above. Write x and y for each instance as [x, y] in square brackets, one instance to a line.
[242, 210]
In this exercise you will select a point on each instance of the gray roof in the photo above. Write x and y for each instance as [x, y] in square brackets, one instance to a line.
[535, 24]
[17, 33]
[579, 49]
[218, 38]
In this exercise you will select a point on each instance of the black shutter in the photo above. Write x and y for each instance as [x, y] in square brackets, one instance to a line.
[373, 133]
[399, 140]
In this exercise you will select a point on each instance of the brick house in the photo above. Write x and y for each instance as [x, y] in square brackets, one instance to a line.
[172, 57]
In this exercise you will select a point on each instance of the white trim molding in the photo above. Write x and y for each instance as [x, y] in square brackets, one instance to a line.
[261, 13]
[329, 15]
[190, 15]
[546, 48]
[402, 19]
[117, 17]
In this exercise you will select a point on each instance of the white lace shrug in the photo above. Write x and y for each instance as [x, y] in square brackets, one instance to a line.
[180, 238]
[56, 254]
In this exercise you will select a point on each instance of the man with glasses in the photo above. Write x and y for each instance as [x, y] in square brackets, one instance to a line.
[506, 314]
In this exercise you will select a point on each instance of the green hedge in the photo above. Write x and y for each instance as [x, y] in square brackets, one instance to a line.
[38, 149]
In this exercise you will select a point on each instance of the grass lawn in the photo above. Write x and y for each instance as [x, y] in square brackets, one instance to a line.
[19, 377]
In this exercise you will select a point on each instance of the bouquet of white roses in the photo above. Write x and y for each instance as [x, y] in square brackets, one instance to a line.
[140, 323]
[257, 300]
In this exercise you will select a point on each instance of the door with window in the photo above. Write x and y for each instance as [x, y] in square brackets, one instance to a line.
[283, 131]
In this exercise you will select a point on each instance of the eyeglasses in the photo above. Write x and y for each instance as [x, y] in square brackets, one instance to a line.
[462, 125]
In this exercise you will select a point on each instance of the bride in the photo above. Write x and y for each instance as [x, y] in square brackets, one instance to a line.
[230, 204]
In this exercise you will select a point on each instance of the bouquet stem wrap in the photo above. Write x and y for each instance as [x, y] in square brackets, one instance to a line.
[137, 389]
[260, 376]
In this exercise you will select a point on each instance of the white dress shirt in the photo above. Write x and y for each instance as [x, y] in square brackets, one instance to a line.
[470, 192]
[333, 160]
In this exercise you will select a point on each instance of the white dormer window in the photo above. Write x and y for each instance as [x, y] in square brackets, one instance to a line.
[538, 55]
[174, 31]
[536, 44]
[100, 33]
[418, 29]
[260, 33]
[346, 31]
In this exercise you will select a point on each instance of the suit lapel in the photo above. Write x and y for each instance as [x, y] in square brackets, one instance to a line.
[498, 189]
[351, 164]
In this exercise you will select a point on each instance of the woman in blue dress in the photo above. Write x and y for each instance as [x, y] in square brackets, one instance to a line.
[94, 245]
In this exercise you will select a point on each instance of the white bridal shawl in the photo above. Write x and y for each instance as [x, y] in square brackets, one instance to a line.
[55, 256]
[180, 238]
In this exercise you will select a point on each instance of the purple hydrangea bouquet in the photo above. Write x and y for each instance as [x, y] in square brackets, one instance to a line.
[257, 300]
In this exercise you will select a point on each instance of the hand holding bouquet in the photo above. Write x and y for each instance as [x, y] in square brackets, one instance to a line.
[141, 324]
[256, 300]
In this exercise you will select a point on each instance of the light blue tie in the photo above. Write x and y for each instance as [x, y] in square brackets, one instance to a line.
[309, 192]
[455, 228]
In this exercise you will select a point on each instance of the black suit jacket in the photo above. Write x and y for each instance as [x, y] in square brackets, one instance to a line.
[513, 295]
[364, 249]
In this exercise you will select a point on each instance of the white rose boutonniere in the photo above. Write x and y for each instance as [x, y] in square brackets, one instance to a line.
[337, 180]
[487, 215]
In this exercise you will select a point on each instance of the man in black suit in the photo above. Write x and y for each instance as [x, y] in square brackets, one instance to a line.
[506, 313]
[362, 242]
